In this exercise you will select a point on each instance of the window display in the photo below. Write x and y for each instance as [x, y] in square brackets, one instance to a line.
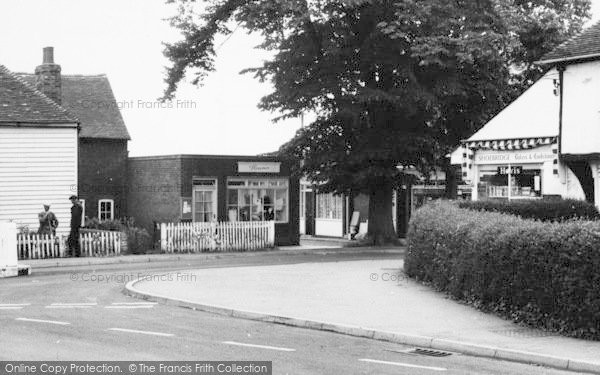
[523, 183]
[257, 200]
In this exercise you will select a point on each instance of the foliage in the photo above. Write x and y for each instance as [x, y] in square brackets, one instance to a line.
[393, 83]
[544, 209]
[544, 274]
[138, 239]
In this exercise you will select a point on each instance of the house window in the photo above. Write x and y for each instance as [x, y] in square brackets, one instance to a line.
[257, 199]
[204, 199]
[106, 209]
[329, 206]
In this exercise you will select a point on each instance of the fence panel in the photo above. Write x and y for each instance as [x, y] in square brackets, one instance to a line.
[216, 236]
[92, 243]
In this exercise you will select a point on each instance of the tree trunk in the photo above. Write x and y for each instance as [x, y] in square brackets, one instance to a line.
[381, 227]
[451, 190]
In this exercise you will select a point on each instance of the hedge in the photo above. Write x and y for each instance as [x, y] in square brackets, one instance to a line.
[542, 209]
[543, 274]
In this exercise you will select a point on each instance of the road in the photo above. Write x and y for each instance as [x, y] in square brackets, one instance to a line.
[60, 314]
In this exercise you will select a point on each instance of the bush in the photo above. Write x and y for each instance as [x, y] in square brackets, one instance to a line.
[543, 274]
[138, 239]
[542, 209]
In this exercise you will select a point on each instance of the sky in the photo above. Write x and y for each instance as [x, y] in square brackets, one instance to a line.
[123, 39]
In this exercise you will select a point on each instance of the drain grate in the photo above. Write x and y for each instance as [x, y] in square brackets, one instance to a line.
[429, 352]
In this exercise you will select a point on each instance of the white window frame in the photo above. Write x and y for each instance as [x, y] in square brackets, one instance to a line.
[112, 208]
[200, 187]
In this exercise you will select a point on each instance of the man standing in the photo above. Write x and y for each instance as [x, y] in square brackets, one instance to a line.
[76, 212]
[48, 221]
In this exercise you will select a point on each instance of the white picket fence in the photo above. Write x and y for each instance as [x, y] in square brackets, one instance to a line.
[92, 243]
[217, 236]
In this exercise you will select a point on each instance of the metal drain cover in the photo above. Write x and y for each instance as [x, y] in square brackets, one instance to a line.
[429, 352]
[421, 351]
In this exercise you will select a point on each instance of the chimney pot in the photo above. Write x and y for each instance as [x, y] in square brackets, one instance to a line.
[48, 55]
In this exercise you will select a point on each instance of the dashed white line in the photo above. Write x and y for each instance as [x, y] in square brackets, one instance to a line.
[259, 346]
[13, 306]
[142, 332]
[400, 364]
[129, 307]
[74, 305]
[43, 321]
[133, 303]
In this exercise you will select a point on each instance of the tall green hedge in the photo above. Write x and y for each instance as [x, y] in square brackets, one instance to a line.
[539, 209]
[545, 274]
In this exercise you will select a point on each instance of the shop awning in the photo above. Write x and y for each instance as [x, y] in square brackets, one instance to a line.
[529, 121]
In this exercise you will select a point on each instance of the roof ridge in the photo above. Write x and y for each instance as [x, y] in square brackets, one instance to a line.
[67, 75]
[41, 94]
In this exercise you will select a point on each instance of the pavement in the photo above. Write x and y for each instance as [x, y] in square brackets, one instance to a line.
[366, 298]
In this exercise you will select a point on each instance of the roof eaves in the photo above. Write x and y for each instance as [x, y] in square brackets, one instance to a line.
[591, 56]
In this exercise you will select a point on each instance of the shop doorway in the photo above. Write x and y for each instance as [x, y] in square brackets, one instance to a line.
[309, 212]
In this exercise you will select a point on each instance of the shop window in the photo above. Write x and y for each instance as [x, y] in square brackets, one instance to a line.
[524, 183]
[257, 200]
[106, 209]
[204, 200]
[82, 202]
[329, 206]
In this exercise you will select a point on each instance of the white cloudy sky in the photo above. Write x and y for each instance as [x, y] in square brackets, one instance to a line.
[122, 38]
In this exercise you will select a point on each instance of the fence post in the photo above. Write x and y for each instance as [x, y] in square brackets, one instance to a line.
[272, 233]
[163, 237]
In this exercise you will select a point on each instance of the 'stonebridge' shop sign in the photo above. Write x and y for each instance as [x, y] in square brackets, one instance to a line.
[508, 157]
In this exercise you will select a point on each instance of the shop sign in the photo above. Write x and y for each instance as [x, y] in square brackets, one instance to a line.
[258, 167]
[508, 157]
[513, 170]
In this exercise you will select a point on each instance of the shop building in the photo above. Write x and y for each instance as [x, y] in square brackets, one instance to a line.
[203, 188]
[547, 142]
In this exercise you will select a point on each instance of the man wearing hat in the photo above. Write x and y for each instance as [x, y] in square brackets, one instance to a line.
[48, 221]
[73, 240]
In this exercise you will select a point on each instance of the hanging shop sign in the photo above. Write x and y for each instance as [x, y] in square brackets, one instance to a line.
[513, 170]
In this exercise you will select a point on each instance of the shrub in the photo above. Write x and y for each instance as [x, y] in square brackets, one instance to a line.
[544, 274]
[540, 209]
[138, 239]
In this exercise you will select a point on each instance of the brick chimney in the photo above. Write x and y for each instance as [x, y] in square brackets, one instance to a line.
[48, 79]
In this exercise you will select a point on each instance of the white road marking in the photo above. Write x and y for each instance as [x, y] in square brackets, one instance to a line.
[259, 346]
[75, 304]
[134, 303]
[129, 307]
[43, 321]
[141, 332]
[400, 364]
[13, 306]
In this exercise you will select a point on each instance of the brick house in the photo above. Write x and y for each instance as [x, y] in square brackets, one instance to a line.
[103, 136]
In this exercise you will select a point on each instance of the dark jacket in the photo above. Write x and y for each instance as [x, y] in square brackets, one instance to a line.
[76, 212]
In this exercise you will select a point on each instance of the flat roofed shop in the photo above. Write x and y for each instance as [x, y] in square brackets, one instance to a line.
[215, 188]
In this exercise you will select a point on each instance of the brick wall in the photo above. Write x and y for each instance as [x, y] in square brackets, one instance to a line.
[154, 190]
[103, 174]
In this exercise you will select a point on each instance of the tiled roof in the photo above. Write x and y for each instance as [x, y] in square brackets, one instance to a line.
[21, 102]
[91, 99]
[584, 45]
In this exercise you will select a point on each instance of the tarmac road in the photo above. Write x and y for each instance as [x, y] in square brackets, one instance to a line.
[80, 313]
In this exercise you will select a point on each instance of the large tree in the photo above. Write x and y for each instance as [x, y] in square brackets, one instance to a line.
[394, 84]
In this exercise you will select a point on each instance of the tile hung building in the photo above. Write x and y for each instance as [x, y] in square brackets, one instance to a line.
[547, 142]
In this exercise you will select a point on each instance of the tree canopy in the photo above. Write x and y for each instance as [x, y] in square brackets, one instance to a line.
[393, 82]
